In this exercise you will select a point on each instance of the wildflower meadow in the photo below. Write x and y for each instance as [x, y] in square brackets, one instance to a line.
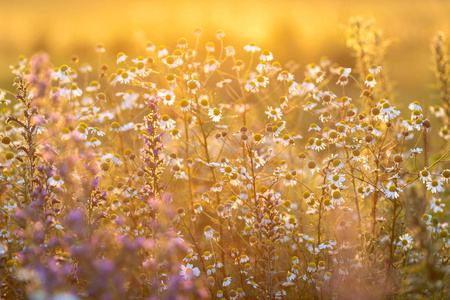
[201, 170]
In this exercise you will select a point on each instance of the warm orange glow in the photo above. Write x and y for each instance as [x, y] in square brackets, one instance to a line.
[240, 149]
[300, 30]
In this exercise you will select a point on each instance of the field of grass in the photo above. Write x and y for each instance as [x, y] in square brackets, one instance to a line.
[224, 150]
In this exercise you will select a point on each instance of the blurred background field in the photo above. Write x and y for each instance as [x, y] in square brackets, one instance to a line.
[302, 31]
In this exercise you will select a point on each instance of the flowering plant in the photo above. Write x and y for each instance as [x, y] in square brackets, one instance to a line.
[186, 173]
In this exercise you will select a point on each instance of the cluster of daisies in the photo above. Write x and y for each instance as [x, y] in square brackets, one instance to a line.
[270, 181]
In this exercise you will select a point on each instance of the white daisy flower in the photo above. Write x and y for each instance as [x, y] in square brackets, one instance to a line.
[56, 181]
[388, 112]
[291, 276]
[266, 55]
[193, 85]
[226, 281]
[327, 245]
[317, 145]
[244, 258]
[370, 81]
[185, 105]
[274, 113]
[251, 47]
[261, 81]
[415, 257]
[312, 267]
[168, 98]
[437, 205]
[121, 57]
[415, 106]
[285, 76]
[314, 127]
[416, 151]
[190, 257]
[208, 232]
[435, 186]
[96, 131]
[309, 105]
[188, 272]
[345, 71]
[375, 70]
[337, 197]
[215, 114]
[406, 242]
[175, 134]
[166, 123]
[75, 91]
[4, 233]
[230, 51]
[336, 179]
[125, 77]
[425, 176]
[392, 191]
[62, 73]
[251, 86]
[162, 51]
[207, 255]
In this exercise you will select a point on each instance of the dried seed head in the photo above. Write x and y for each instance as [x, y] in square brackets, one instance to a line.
[312, 164]
[398, 158]
[9, 155]
[170, 77]
[6, 140]
[369, 138]
[350, 113]
[333, 134]
[375, 111]
[104, 166]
